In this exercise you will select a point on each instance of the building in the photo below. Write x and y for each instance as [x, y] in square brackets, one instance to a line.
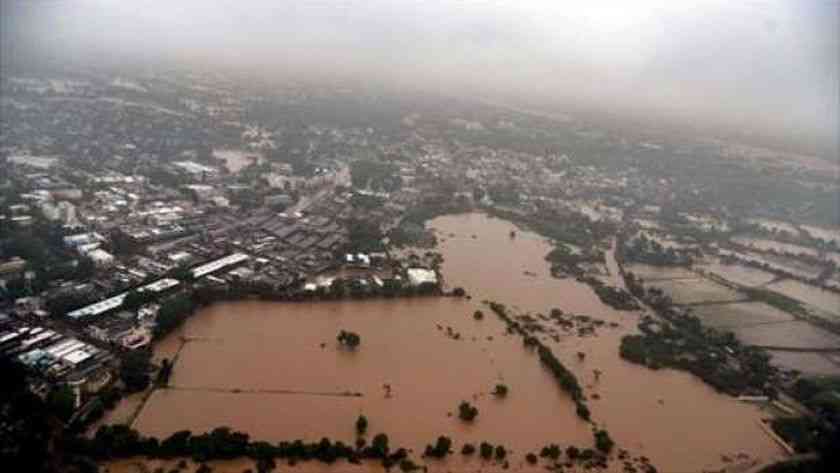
[278, 199]
[213, 266]
[12, 266]
[418, 276]
[101, 258]
[115, 302]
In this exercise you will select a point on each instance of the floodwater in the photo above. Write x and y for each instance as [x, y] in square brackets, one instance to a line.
[658, 273]
[809, 363]
[699, 290]
[772, 245]
[740, 315]
[827, 234]
[743, 275]
[276, 371]
[819, 298]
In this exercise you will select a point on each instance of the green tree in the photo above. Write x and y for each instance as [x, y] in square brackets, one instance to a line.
[62, 402]
[361, 425]
[349, 339]
[467, 412]
[134, 370]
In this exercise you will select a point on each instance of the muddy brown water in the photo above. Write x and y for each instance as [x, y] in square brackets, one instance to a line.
[261, 367]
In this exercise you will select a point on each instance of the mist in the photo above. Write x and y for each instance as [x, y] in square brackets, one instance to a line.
[758, 66]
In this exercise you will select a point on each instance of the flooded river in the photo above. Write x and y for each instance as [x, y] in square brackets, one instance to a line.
[276, 371]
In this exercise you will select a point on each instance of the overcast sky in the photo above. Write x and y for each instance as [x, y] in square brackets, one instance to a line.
[769, 62]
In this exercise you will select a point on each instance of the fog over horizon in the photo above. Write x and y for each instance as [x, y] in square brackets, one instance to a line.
[769, 66]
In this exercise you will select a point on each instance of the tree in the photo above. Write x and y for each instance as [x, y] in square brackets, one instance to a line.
[440, 449]
[349, 339]
[478, 315]
[361, 425]
[531, 458]
[486, 450]
[62, 402]
[550, 451]
[467, 412]
[468, 449]
[380, 445]
[603, 442]
[501, 390]
[501, 452]
[134, 370]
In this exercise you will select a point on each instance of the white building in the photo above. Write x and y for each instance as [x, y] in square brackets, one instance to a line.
[418, 276]
[101, 257]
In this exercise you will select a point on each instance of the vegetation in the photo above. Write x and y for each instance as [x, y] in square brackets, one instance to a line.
[603, 442]
[361, 425]
[468, 449]
[718, 358]
[551, 452]
[164, 373]
[486, 450]
[801, 432]
[648, 251]
[501, 452]
[134, 370]
[501, 390]
[820, 395]
[614, 297]
[120, 441]
[349, 339]
[173, 312]
[779, 301]
[375, 175]
[440, 449]
[565, 378]
[467, 412]
[478, 315]
[61, 402]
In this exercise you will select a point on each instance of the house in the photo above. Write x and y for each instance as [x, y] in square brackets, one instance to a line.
[418, 276]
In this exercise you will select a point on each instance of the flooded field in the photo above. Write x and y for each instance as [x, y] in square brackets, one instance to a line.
[795, 334]
[742, 275]
[827, 234]
[779, 263]
[276, 370]
[772, 245]
[655, 273]
[775, 225]
[820, 298]
[740, 315]
[808, 363]
[698, 290]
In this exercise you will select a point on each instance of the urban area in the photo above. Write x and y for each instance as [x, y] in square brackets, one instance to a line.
[129, 203]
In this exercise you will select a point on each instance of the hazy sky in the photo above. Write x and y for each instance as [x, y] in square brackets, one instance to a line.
[769, 62]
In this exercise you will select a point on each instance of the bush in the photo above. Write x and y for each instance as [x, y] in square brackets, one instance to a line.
[531, 458]
[467, 412]
[550, 451]
[486, 450]
[440, 449]
[501, 452]
[468, 449]
[603, 442]
[361, 425]
[349, 339]
[501, 390]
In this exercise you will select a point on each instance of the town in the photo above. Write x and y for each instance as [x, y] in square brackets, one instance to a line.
[128, 202]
